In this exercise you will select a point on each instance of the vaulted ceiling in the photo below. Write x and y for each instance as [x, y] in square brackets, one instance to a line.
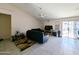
[50, 10]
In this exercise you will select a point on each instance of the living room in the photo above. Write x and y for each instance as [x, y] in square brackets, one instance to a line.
[32, 27]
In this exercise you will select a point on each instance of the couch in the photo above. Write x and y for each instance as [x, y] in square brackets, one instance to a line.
[37, 36]
[38, 29]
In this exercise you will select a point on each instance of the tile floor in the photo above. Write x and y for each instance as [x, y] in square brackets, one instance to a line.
[54, 46]
[8, 47]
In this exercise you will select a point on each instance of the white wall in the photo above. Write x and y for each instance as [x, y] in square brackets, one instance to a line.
[19, 20]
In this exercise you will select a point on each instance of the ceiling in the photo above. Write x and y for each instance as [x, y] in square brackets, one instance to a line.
[50, 10]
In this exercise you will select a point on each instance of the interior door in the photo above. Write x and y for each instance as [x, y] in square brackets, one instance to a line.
[5, 26]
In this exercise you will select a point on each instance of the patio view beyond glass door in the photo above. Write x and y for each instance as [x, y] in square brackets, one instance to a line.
[68, 29]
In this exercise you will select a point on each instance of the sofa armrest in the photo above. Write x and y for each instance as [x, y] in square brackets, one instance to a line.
[45, 38]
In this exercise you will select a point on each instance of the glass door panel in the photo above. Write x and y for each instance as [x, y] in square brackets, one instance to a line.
[68, 29]
[65, 29]
[71, 29]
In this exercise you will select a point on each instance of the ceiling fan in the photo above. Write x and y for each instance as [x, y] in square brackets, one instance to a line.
[42, 14]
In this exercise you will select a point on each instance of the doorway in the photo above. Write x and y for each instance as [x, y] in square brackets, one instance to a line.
[5, 26]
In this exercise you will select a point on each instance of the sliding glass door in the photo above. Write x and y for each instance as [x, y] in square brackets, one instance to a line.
[68, 29]
[65, 29]
[76, 29]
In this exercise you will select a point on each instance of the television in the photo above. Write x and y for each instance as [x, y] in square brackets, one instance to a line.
[48, 27]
